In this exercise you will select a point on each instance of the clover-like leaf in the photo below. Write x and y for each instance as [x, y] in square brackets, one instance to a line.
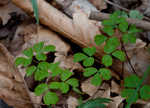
[43, 65]
[73, 82]
[28, 52]
[79, 57]
[132, 81]
[50, 98]
[40, 75]
[133, 29]
[41, 56]
[108, 30]
[19, 61]
[55, 85]
[96, 80]
[64, 87]
[88, 62]
[119, 55]
[49, 48]
[89, 71]
[108, 22]
[107, 60]
[27, 62]
[30, 70]
[38, 47]
[55, 69]
[106, 74]
[135, 14]
[111, 45]
[145, 92]
[65, 75]
[123, 26]
[130, 93]
[89, 51]
[40, 89]
[99, 39]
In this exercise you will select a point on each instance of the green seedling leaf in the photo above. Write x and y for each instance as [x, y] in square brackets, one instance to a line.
[128, 93]
[19, 61]
[88, 62]
[65, 75]
[89, 71]
[107, 60]
[41, 56]
[111, 45]
[108, 30]
[135, 14]
[119, 55]
[49, 48]
[73, 82]
[89, 51]
[40, 75]
[55, 69]
[77, 90]
[123, 26]
[129, 38]
[50, 98]
[55, 85]
[27, 62]
[106, 74]
[79, 57]
[28, 52]
[96, 80]
[30, 70]
[131, 81]
[38, 47]
[100, 39]
[43, 65]
[64, 87]
[133, 29]
[40, 89]
[124, 14]
[145, 92]
[35, 9]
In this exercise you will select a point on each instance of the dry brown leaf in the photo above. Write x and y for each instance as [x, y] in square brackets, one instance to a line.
[99, 4]
[12, 88]
[72, 102]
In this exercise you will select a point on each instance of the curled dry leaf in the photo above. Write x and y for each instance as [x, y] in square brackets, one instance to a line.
[12, 88]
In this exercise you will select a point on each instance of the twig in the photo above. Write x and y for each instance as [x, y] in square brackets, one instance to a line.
[125, 9]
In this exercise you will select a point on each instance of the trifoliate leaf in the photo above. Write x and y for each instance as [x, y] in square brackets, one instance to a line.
[106, 74]
[50, 98]
[145, 92]
[119, 55]
[27, 62]
[73, 82]
[41, 56]
[133, 29]
[99, 39]
[108, 22]
[40, 75]
[89, 51]
[55, 85]
[131, 81]
[43, 65]
[135, 14]
[121, 20]
[30, 70]
[65, 75]
[107, 60]
[89, 71]
[64, 87]
[40, 89]
[28, 52]
[111, 45]
[38, 47]
[123, 26]
[55, 69]
[79, 57]
[49, 48]
[96, 80]
[19, 61]
[108, 30]
[88, 62]
[124, 14]
[129, 93]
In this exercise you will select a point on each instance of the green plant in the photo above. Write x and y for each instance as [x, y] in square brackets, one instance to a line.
[134, 89]
[44, 70]
[95, 103]
[35, 9]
